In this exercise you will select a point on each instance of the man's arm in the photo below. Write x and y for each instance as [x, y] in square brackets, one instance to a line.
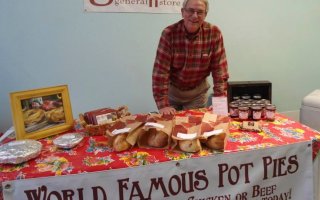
[161, 70]
[219, 65]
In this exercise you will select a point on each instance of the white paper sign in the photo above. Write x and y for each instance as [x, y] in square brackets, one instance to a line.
[220, 105]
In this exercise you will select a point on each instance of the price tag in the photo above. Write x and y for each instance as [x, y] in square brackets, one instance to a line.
[220, 105]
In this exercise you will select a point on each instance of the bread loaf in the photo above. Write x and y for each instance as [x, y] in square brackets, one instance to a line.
[156, 138]
[190, 146]
[120, 143]
[216, 141]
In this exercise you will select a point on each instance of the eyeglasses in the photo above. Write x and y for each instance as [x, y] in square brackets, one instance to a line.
[191, 11]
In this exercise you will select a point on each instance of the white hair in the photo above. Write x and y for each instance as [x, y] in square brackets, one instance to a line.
[206, 3]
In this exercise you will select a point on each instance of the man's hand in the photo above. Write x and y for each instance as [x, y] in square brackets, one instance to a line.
[167, 111]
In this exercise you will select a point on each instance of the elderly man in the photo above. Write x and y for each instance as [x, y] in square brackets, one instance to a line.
[188, 52]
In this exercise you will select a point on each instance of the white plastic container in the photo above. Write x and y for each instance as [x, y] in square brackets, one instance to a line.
[310, 110]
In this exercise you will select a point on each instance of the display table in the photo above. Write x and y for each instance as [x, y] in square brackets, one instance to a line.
[92, 155]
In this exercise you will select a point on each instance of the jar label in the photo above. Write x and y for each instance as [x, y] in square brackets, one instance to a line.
[256, 115]
[243, 115]
[270, 115]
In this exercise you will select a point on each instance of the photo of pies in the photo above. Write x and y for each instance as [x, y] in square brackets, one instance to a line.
[42, 112]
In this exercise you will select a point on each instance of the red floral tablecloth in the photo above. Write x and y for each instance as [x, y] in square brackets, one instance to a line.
[93, 155]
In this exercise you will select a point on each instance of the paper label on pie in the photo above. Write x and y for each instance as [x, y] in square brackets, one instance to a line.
[119, 131]
[187, 136]
[214, 132]
[156, 125]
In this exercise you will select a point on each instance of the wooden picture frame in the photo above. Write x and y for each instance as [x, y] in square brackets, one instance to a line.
[40, 113]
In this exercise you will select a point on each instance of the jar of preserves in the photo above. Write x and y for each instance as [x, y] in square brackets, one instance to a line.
[256, 112]
[245, 97]
[266, 101]
[256, 96]
[243, 112]
[233, 110]
[246, 102]
[235, 98]
[270, 112]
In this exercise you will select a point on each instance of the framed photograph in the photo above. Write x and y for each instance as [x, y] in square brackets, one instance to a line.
[40, 113]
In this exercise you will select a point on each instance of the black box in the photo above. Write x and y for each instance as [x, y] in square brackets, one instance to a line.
[239, 88]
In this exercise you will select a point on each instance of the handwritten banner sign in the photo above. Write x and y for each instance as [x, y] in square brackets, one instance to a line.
[145, 6]
[284, 173]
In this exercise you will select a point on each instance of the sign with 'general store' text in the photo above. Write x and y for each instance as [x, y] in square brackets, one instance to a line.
[145, 6]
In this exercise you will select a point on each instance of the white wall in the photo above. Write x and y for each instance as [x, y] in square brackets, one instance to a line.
[107, 58]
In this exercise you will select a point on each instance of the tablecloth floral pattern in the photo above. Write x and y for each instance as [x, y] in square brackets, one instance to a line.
[92, 154]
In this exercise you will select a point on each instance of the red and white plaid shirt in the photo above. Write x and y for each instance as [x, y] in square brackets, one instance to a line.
[186, 62]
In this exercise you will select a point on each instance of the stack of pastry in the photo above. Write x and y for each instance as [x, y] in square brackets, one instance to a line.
[214, 130]
[185, 135]
[33, 116]
[156, 132]
[123, 133]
